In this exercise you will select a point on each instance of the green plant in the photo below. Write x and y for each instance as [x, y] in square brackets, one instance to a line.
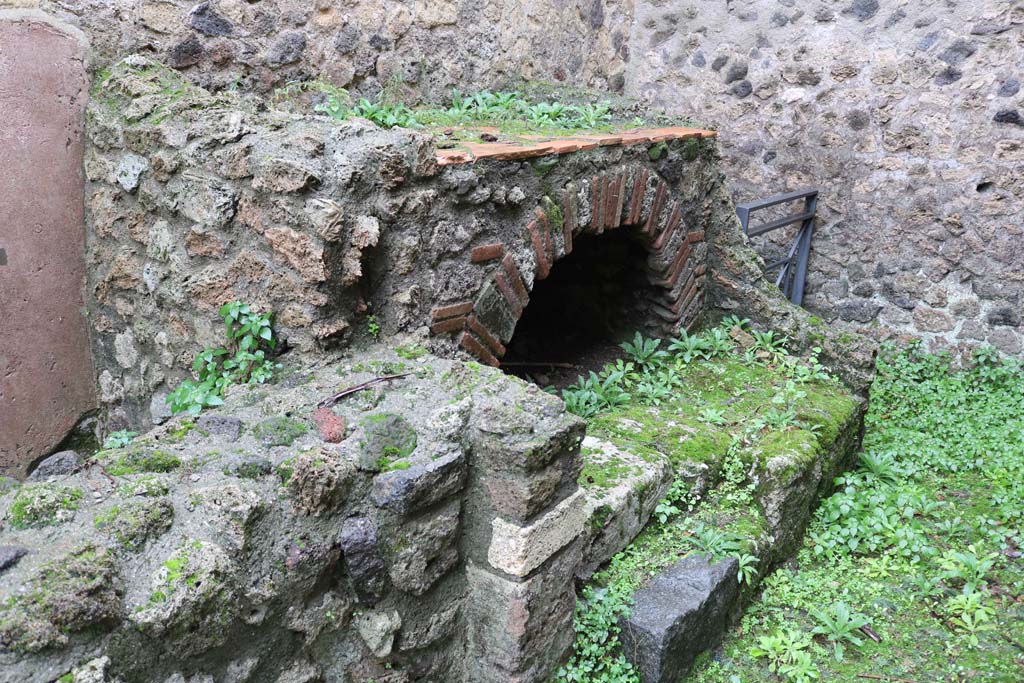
[968, 568]
[689, 348]
[715, 542]
[781, 648]
[644, 352]
[249, 337]
[372, 326]
[838, 625]
[769, 342]
[713, 416]
[746, 570]
[119, 439]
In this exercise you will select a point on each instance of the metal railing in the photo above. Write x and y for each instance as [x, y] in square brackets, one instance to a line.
[793, 268]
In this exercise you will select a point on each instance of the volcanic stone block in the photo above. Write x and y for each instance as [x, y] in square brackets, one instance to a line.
[678, 615]
[518, 550]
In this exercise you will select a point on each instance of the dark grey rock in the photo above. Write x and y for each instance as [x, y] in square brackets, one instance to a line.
[229, 428]
[957, 52]
[63, 463]
[742, 89]
[779, 20]
[205, 19]
[187, 53]
[363, 560]
[10, 555]
[858, 119]
[346, 40]
[858, 311]
[862, 10]
[737, 71]
[421, 485]
[928, 41]
[948, 75]
[698, 60]
[895, 18]
[387, 438]
[287, 50]
[1009, 116]
[1004, 316]
[987, 29]
[1009, 88]
[719, 62]
[679, 614]
[249, 467]
[597, 14]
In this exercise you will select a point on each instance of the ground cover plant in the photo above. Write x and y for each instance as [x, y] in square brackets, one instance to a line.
[508, 114]
[749, 394]
[912, 570]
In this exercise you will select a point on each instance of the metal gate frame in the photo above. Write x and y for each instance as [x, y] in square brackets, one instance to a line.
[793, 274]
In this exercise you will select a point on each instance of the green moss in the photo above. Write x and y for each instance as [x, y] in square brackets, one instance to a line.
[149, 486]
[387, 438]
[180, 431]
[597, 474]
[691, 149]
[655, 152]
[180, 570]
[599, 520]
[554, 214]
[77, 591]
[286, 469]
[279, 431]
[137, 461]
[8, 484]
[40, 505]
[132, 524]
[411, 352]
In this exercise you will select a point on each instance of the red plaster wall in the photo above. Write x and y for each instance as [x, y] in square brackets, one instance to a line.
[46, 374]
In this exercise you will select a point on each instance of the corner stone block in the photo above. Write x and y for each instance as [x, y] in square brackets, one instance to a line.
[520, 631]
[678, 615]
[518, 550]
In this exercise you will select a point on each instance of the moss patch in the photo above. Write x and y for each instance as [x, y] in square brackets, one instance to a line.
[138, 461]
[387, 439]
[132, 524]
[80, 590]
[279, 431]
[40, 505]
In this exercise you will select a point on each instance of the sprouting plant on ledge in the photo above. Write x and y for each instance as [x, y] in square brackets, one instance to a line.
[644, 352]
[249, 336]
[119, 439]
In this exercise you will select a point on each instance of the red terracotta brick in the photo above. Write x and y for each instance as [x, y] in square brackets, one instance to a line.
[471, 344]
[639, 194]
[450, 325]
[508, 292]
[695, 236]
[443, 312]
[670, 227]
[487, 252]
[671, 275]
[549, 245]
[487, 336]
[597, 192]
[701, 269]
[512, 270]
[568, 218]
[659, 200]
[539, 250]
[330, 426]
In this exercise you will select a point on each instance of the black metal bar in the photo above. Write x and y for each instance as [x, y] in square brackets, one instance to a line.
[792, 278]
[774, 201]
[780, 223]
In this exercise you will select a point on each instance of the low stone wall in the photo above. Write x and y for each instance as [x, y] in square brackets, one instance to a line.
[423, 530]
[195, 200]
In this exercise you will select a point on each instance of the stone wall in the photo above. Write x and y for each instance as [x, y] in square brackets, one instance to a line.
[423, 530]
[195, 200]
[416, 47]
[908, 118]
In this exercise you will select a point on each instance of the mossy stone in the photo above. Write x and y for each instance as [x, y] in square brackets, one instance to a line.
[279, 431]
[387, 438]
[133, 523]
[137, 461]
[80, 590]
[40, 505]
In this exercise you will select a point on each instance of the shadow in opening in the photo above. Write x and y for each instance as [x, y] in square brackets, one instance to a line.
[594, 299]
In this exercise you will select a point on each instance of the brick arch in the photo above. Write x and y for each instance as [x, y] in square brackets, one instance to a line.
[632, 198]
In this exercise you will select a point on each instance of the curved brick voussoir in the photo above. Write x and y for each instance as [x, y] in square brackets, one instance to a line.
[669, 221]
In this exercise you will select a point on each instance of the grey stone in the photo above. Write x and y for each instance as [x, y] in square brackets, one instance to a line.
[188, 52]
[226, 427]
[862, 10]
[1011, 116]
[742, 89]
[895, 18]
[58, 464]
[698, 60]
[421, 485]
[677, 615]
[948, 76]
[719, 62]
[736, 71]
[1003, 316]
[956, 53]
[363, 559]
[428, 550]
[205, 19]
[1009, 88]
[159, 409]
[249, 466]
[858, 311]
[387, 438]
[378, 631]
[288, 49]
[10, 555]
[130, 170]
[928, 41]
